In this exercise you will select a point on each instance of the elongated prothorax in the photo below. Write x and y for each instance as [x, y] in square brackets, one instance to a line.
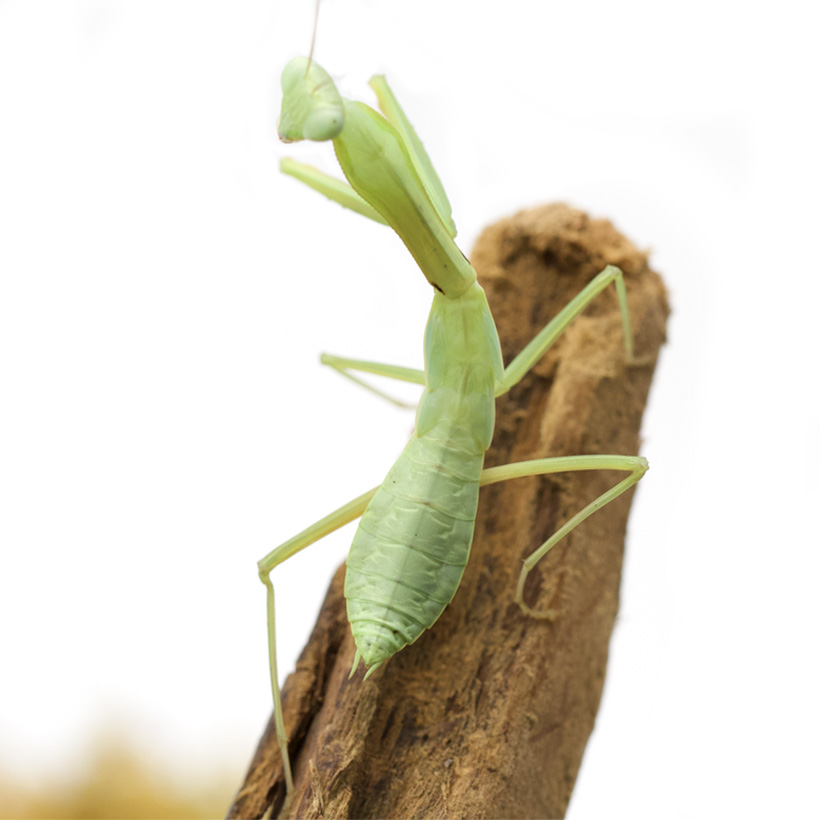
[380, 169]
[379, 166]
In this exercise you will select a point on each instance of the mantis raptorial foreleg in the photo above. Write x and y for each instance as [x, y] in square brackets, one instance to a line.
[331, 187]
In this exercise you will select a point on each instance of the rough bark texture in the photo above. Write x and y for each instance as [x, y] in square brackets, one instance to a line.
[488, 713]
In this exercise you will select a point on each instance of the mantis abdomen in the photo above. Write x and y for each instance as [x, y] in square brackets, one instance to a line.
[412, 544]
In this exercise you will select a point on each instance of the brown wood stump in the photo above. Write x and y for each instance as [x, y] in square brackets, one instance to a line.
[488, 713]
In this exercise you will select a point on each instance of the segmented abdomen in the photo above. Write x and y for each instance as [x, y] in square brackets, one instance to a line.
[412, 544]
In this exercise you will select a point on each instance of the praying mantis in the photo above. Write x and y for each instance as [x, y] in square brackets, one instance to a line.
[413, 541]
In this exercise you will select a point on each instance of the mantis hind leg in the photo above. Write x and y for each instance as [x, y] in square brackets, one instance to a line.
[527, 358]
[636, 466]
[320, 529]
[390, 371]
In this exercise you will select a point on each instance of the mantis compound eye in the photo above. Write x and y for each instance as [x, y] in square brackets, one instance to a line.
[311, 106]
[324, 124]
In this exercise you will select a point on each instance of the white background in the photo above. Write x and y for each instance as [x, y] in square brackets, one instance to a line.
[165, 295]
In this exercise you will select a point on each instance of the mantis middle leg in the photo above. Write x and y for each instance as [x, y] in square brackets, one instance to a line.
[344, 515]
[526, 359]
[404, 374]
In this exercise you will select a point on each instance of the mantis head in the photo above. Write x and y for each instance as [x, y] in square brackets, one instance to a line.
[312, 108]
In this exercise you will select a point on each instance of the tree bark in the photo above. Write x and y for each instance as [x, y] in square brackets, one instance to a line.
[488, 713]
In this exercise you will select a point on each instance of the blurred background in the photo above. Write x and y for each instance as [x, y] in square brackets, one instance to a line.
[164, 421]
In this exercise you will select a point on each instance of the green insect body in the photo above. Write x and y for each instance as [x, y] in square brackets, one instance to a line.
[413, 542]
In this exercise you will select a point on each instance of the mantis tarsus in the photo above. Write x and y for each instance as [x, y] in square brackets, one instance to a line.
[413, 541]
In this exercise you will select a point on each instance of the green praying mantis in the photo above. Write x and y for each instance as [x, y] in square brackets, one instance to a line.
[413, 541]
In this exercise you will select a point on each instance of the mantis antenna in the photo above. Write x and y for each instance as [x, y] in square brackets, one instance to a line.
[311, 108]
[313, 36]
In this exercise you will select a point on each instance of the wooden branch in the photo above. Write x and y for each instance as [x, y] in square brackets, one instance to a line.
[488, 713]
